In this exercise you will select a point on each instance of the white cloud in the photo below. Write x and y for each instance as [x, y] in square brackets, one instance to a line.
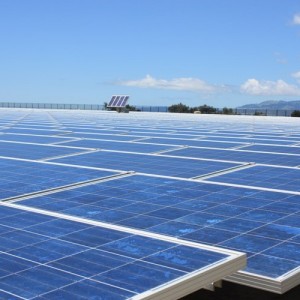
[297, 76]
[280, 59]
[296, 19]
[182, 84]
[268, 88]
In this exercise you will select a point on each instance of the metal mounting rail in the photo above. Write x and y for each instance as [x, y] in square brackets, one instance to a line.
[225, 171]
[68, 155]
[170, 150]
[66, 187]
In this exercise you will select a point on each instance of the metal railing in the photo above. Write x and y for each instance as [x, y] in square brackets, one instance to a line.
[52, 106]
[144, 108]
[264, 112]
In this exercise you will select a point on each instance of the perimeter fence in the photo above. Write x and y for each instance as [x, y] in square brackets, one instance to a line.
[52, 106]
[235, 111]
[264, 112]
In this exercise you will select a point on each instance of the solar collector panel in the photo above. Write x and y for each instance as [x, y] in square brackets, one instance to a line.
[118, 101]
[122, 265]
[111, 101]
[124, 101]
[223, 215]
[197, 212]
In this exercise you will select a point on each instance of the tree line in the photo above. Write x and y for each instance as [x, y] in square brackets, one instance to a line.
[203, 109]
[206, 109]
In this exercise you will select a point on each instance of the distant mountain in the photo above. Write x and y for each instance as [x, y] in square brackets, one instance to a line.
[274, 104]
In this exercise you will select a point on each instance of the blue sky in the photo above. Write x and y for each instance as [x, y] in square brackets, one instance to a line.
[160, 52]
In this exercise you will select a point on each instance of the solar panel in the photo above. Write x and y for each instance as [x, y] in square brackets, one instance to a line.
[36, 151]
[112, 100]
[121, 146]
[195, 143]
[101, 136]
[242, 155]
[54, 257]
[118, 101]
[264, 176]
[274, 149]
[64, 212]
[33, 138]
[34, 131]
[21, 177]
[151, 164]
[248, 220]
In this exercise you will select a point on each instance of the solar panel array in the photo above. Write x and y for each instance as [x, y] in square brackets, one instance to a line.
[141, 205]
[49, 257]
[118, 101]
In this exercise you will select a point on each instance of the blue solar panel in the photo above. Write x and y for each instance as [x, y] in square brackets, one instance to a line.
[240, 155]
[33, 138]
[33, 151]
[259, 220]
[36, 131]
[250, 139]
[118, 101]
[248, 220]
[96, 130]
[101, 136]
[112, 100]
[54, 257]
[160, 165]
[264, 176]
[145, 132]
[274, 149]
[195, 143]
[119, 146]
[25, 177]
